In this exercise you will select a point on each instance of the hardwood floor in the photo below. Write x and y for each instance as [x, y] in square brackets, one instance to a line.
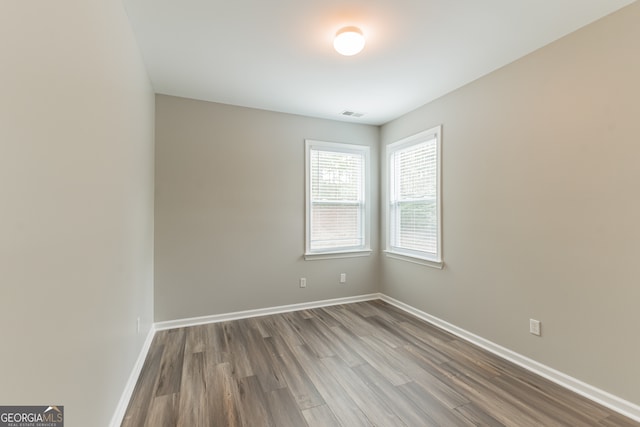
[364, 364]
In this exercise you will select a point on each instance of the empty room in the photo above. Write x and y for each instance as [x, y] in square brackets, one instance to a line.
[337, 213]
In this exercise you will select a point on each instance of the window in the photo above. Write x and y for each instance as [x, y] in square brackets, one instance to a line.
[413, 208]
[337, 218]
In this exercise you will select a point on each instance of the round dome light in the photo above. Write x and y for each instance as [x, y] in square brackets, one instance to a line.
[349, 41]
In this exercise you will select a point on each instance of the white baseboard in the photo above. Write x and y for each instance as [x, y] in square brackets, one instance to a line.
[602, 397]
[193, 321]
[118, 416]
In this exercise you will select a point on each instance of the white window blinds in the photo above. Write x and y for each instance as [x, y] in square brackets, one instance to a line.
[414, 196]
[335, 197]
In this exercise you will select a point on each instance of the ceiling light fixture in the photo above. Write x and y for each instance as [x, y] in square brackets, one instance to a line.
[349, 41]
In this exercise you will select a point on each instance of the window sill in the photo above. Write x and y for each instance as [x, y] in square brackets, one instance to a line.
[333, 255]
[416, 260]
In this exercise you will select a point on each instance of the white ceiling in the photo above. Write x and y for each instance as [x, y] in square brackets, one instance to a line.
[278, 55]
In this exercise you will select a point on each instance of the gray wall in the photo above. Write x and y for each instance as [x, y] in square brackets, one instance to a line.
[230, 210]
[76, 216]
[541, 206]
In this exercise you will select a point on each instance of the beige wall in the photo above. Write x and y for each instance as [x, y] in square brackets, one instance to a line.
[230, 210]
[76, 216]
[541, 207]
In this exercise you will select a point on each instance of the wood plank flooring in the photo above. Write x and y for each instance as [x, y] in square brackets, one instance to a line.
[363, 364]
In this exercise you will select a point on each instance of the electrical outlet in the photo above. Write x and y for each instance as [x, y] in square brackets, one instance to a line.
[303, 282]
[534, 327]
[343, 277]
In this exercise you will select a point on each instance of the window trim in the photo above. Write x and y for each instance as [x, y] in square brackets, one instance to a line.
[345, 252]
[413, 256]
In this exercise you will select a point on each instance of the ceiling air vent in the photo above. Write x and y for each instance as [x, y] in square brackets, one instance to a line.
[351, 114]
